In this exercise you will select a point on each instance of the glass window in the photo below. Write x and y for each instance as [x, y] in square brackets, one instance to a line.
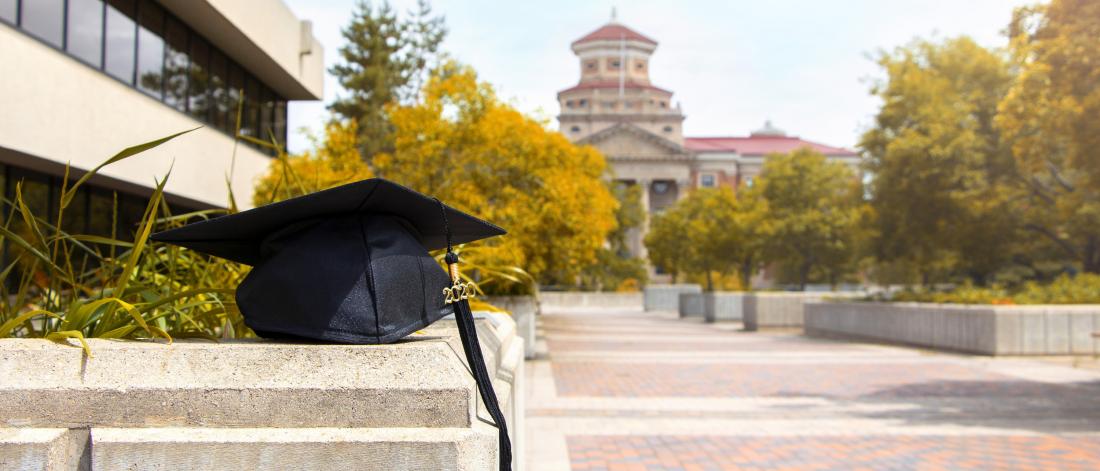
[84, 31]
[280, 122]
[236, 87]
[45, 19]
[708, 180]
[267, 114]
[219, 91]
[101, 212]
[150, 54]
[175, 64]
[249, 121]
[121, 35]
[76, 214]
[9, 9]
[198, 91]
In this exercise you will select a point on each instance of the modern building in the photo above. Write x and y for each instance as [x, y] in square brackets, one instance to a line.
[616, 108]
[83, 79]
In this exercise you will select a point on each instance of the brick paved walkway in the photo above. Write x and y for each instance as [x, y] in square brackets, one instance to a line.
[615, 393]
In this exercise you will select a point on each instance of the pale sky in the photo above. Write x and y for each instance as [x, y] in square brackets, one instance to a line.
[731, 64]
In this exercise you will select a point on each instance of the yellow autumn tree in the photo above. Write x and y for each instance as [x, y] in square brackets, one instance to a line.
[333, 160]
[465, 146]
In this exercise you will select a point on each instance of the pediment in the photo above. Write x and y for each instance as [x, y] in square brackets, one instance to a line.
[626, 141]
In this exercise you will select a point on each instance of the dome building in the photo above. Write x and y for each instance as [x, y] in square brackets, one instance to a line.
[617, 109]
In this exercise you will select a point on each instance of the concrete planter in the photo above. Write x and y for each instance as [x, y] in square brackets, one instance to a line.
[989, 330]
[666, 297]
[691, 305]
[523, 310]
[567, 300]
[256, 404]
[782, 309]
[722, 306]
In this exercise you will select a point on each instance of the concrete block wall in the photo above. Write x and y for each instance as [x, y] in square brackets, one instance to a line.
[782, 309]
[566, 300]
[989, 330]
[666, 297]
[691, 305]
[523, 310]
[724, 306]
[257, 404]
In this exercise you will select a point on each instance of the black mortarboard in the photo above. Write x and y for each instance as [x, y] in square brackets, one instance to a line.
[350, 264]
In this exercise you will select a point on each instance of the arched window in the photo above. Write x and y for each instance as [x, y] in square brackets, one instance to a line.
[575, 129]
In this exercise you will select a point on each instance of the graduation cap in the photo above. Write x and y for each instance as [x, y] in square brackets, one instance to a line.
[350, 265]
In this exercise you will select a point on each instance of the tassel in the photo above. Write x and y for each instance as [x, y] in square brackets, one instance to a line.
[457, 295]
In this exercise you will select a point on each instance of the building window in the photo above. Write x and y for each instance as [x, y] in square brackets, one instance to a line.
[614, 64]
[575, 129]
[748, 182]
[121, 33]
[667, 129]
[628, 104]
[568, 103]
[708, 180]
[44, 19]
[138, 43]
[150, 50]
[640, 65]
[583, 103]
[661, 187]
[590, 65]
[664, 105]
[84, 38]
[175, 64]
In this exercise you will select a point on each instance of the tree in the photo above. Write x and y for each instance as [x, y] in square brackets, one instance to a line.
[1051, 117]
[333, 161]
[939, 165]
[385, 61]
[812, 211]
[465, 146]
[709, 232]
[616, 267]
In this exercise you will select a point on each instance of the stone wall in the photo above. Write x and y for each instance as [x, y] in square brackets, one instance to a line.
[566, 300]
[667, 297]
[257, 404]
[523, 310]
[724, 306]
[781, 309]
[990, 330]
[691, 305]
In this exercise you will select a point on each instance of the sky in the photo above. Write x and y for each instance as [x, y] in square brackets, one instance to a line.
[806, 65]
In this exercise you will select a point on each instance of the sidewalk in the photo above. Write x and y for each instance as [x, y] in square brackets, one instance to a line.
[627, 390]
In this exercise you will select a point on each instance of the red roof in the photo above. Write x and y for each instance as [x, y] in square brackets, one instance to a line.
[614, 32]
[760, 145]
[611, 84]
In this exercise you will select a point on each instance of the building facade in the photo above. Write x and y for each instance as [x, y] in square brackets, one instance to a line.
[617, 109]
[83, 79]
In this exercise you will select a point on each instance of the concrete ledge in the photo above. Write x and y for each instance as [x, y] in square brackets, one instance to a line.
[523, 310]
[666, 297]
[294, 448]
[236, 383]
[566, 300]
[781, 309]
[691, 305]
[46, 449]
[985, 329]
[724, 306]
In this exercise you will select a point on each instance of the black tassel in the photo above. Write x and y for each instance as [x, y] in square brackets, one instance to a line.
[467, 331]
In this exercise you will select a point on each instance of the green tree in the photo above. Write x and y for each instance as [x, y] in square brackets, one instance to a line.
[710, 232]
[813, 213]
[1051, 117]
[939, 165]
[384, 61]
